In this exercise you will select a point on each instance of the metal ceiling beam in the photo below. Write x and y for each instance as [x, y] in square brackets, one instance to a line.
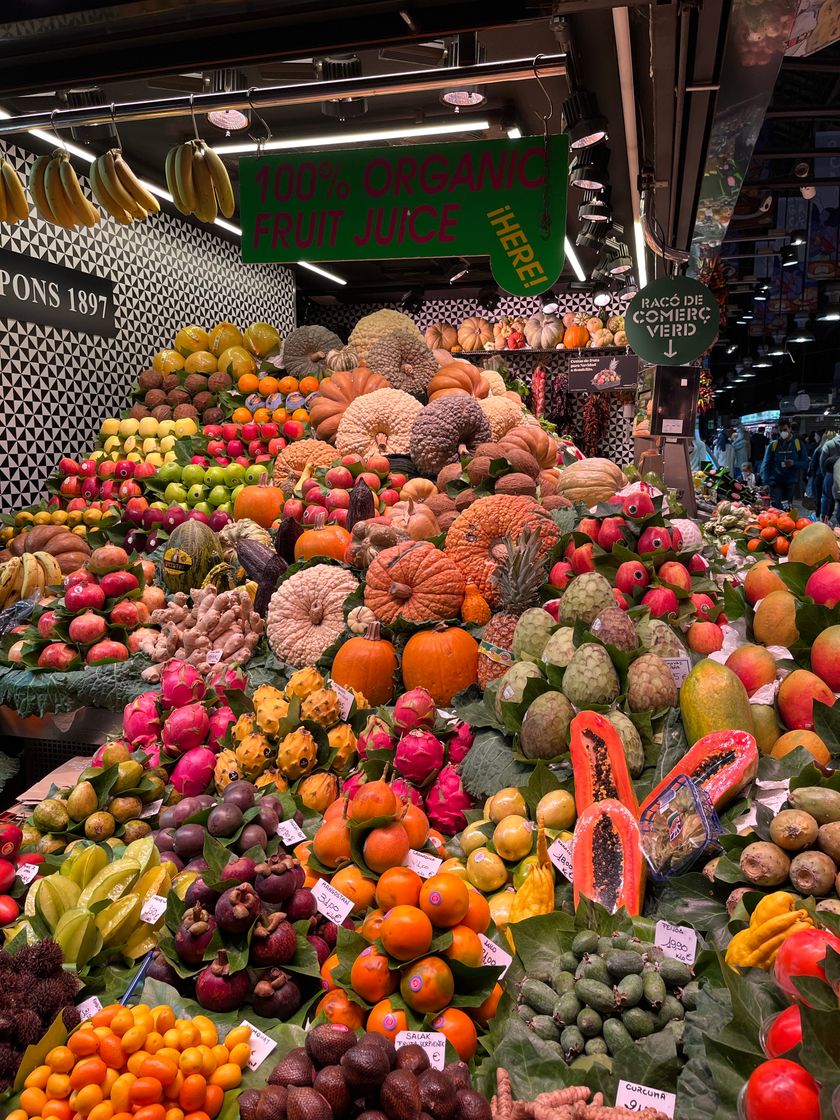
[814, 154]
[806, 112]
[790, 184]
[309, 93]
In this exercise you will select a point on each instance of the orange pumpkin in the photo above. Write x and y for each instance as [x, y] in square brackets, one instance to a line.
[367, 665]
[337, 393]
[443, 660]
[322, 540]
[458, 378]
[261, 503]
[419, 489]
[535, 440]
[415, 518]
[575, 337]
[415, 581]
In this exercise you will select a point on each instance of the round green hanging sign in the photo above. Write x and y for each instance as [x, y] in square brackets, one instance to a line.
[672, 321]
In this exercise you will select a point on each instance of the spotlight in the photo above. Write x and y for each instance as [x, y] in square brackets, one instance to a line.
[747, 315]
[588, 169]
[550, 302]
[335, 68]
[760, 296]
[789, 257]
[762, 363]
[229, 120]
[798, 237]
[731, 348]
[465, 51]
[462, 270]
[620, 263]
[582, 120]
[777, 350]
[601, 295]
[596, 210]
[591, 235]
[803, 332]
[802, 169]
[630, 289]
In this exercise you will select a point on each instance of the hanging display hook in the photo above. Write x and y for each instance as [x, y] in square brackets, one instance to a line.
[192, 114]
[260, 141]
[58, 139]
[545, 221]
[546, 117]
[114, 126]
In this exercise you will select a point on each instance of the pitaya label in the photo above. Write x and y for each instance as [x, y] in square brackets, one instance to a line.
[561, 856]
[424, 864]
[290, 833]
[88, 1008]
[433, 1042]
[27, 872]
[636, 1098]
[680, 668]
[331, 903]
[153, 909]
[261, 1045]
[679, 942]
[494, 954]
[345, 699]
[152, 809]
[214, 657]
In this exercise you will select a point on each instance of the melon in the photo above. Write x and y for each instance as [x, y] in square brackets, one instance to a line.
[190, 553]
[590, 481]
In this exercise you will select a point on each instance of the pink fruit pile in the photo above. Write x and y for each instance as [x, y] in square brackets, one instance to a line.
[151, 524]
[329, 489]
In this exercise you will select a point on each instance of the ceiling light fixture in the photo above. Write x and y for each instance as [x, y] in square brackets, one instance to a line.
[588, 169]
[572, 258]
[226, 81]
[595, 210]
[344, 139]
[465, 51]
[803, 333]
[514, 133]
[630, 289]
[760, 296]
[461, 270]
[798, 237]
[829, 311]
[621, 262]
[777, 350]
[320, 271]
[591, 235]
[747, 315]
[789, 257]
[601, 295]
[582, 120]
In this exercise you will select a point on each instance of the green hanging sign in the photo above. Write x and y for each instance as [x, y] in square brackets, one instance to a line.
[505, 199]
[672, 321]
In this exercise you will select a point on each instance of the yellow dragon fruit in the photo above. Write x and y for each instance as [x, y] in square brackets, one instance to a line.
[270, 709]
[226, 770]
[343, 741]
[303, 682]
[243, 726]
[272, 781]
[253, 755]
[322, 707]
[318, 791]
[296, 754]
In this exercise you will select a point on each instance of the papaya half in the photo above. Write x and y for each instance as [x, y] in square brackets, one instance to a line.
[607, 860]
[599, 763]
[712, 698]
[721, 763]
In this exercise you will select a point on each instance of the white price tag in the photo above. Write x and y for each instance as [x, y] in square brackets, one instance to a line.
[153, 909]
[214, 656]
[290, 832]
[679, 942]
[88, 1008]
[432, 1042]
[636, 1098]
[331, 903]
[345, 697]
[680, 668]
[494, 954]
[152, 809]
[672, 427]
[27, 872]
[424, 864]
[261, 1045]
[561, 856]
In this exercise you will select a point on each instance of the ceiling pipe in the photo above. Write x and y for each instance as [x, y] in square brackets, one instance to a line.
[309, 93]
[624, 54]
[679, 110]
[653, 240]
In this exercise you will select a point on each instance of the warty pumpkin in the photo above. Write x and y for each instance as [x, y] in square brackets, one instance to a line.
[443, 660]
[367, 664]
[414, 518]
[535, 440]
[458, 377]
[496, 382]
[305, 350]
[441, 336]
[474, 333]
[414, 581]
[590, 481]
[293, 459]
[378, 423]
[404, 360]
[502, 414]
[445, 430]
[306, 613]
[336, 393]
[371, 327]
[476, 539]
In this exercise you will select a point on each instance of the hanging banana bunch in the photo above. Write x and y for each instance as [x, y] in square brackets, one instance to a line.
[198, 181]
[57, 193]
[13, 205]
[118, 190]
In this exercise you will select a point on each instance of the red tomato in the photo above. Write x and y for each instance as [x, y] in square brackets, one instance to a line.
[781, 1090]
[9, 909]
[784, 1032]
[802, 954]
[7, 874]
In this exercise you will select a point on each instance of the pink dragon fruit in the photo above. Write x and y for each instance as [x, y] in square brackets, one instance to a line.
[419, 756]
[376, 736]
[415, 709]
[406, 792]
[185, 728]
[226, 677]
[142, 717]
[180, 684]
[220, 720]
[193, 771]
[152, 752]
[447, 801]
[460, 742]
[350, 785]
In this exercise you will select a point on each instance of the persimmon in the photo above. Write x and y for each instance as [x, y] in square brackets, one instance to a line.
[327, 971]
[353, 885]
[398, 886]
[486, 1011]
[782, 546]
[337, 808]
[427, 985]
[61, 1110]
[459, 1029]
[406, 933]
[477, 916]
[465, 947]
[444, 899]
[371, 976]
[373, 801]
[372, 925]
[90, 1071]
[331, 843]
[386, 1020]
[769, 533]
[339, 1009]
[386, 846]
[193, 1092]
[416, 824]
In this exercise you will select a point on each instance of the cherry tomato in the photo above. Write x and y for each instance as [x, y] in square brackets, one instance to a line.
[7, 874]
[784, 1032]
[9, 909]
[802, 954]
[781, 1090]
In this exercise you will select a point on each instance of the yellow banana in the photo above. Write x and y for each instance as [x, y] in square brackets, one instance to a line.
[100, 193]
[15, 195]
[172, 180]
[133, 185]
[184, 159]
[33, 576]
[8, 574]
[221, 181]
[62, 208]
[6, 213]
[115, 188]
[87, 214]
[207, 208]
[39, 194]
[53, 576]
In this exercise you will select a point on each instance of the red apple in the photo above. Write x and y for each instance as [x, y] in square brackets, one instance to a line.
[242, 460]
[293, 429]
[389, 496]
[265, 458]
[76, 503]
[230, 431]
[129, 489]
[57, 655]
[90, 489]
[309, 484]
[353, 463]
[107, 650]
[84, 597]
[378, 464]
[250, 431]
[117, 584]
[128, 614]
[275, 446]
[108, 489]
[68, 466]
[338, 517]
[222, 460]
[560, 574]
[339, 478]
[255, 448]
[47, 624]
[269, 430]
[337, 499]
[71, 486]
[87, 628]
[293, 507]
[134, 510]
[373, 480]
[216, 447]
[106, 468]
[317, 497]
[312, 514]
[212, 431]
[235, 447]
[87, 468]
[124, 469]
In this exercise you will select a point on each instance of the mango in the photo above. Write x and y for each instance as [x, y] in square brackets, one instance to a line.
[825, 657]
[712, 698]
[796, 697]
[760, 580]
[806, 739]
[775, 620]
[767, 728]
[813, 544]
[823, 585]
[753, 665]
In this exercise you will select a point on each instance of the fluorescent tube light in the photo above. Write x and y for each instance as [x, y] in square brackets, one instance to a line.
[321, 271]
[345, 138]
[639, 239]
[571, 257]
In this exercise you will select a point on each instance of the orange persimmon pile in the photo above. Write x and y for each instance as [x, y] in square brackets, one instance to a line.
[773, 531]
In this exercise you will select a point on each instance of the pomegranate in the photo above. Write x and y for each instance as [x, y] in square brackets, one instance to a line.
[194, 934]
[108, 558]
[118, 584]
[219, 989]
[273, 941]
[128, 614]
[84, 597]
[59, 656]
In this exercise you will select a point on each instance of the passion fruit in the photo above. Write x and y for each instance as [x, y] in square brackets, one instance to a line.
[556, 809]
[486, 871]
[508, 802]
[513, 838]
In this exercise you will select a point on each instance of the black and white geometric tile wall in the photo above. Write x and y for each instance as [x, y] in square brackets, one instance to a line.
[56, 386]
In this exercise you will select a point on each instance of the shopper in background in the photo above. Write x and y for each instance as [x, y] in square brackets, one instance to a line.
[827, 454]
[725, 450]
[748, 476]
[814, 474]
[741, 444]
[758, 445]
[784, 461]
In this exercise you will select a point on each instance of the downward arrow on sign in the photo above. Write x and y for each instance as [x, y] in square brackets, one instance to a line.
[670, 352]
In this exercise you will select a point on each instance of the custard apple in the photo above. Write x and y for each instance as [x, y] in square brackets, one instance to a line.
[512, 685]
[631, 740]
[590, 677]
[658, 637]
[615, 627]
[545, 729]
[650, 684]
[533, 630]
[560, 648]
[584, 599]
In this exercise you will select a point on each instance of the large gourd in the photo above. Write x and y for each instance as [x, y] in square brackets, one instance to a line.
[590, 481]
[367, 665]
[474, 333]
[444, 661]
[543, 331]
[336, 393]
[305, 350]
[378, 423]
[192, 550]
[414, 581]
[458, 378]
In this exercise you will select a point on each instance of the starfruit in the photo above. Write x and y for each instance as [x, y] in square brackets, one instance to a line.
[111, 882]
[144, 851]
[78, 936]
[141, 941]
[155, 881]
[117, 921]
[55, 896]
[86, 864]
[32, 896]
[182, 883]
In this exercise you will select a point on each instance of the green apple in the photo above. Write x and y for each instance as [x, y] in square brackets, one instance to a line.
[236, 491]
[234, 474]
[226, 507]
[170, 472]
[160, 505]
[191, 474]
[175, 492]
[218, 496]
[254, 473]
[196, 493]
[214, 476]
[204, 507]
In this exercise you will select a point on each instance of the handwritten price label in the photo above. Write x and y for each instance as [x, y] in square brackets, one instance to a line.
[331, 903]
[679, 942]
[152, 809]
[432, 1042]
[494, 954]
[345, 699]
[560, 855]
[214, 656]
[680, 668]
[88, 1008]
[27, 872]
[153, 909]
[636, 1098]
[261, 1045]
[290, 833]
[424, 864]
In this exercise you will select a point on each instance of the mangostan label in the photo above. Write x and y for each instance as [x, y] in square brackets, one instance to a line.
[432, 1042]
[331, 903]
[88, 1008]
[503, 199]
[679, 942]
[423, 863]
[261, 1045]
[153, 909]
[560, 855]
[636, 1098]
[290, 833]
[494, 954]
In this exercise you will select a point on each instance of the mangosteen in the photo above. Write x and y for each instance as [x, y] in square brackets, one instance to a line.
[268, 819]
[327, 1042]
[237, 909]
[194, 934]
[240, 793]
[296, 1068]
[161, 969]
[302, 906]
[252, 836]
[224, 820]
[199, 894]
[273, 941]
[219, 989]
[322, 949]
[276, 879]
[188, 840]
[241, 870]
[171, 857]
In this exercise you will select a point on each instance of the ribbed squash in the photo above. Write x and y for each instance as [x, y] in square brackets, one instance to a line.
[292, 460]
[335, 394]
[441, 336]
[607, 859]
[192, 550]
[306, 614]
[591, 481]
[367, 665]
[458, 378]
[535, 440]
[414, 581]
[474, 332]
[599, 763]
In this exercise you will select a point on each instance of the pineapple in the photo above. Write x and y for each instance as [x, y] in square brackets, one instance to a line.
[519, 576]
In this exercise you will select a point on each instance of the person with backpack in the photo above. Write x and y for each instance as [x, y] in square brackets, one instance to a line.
[784, 460]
